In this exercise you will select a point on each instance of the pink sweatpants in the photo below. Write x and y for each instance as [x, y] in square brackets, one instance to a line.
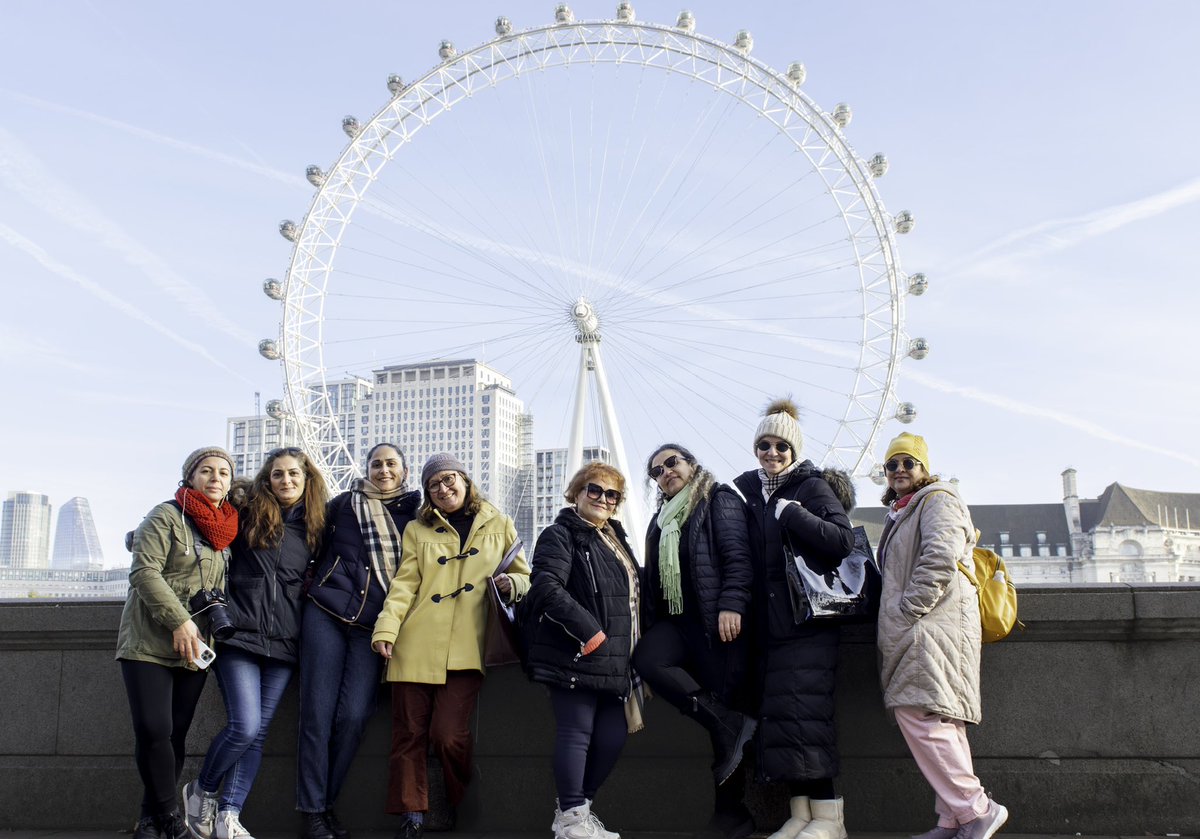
[940, 748]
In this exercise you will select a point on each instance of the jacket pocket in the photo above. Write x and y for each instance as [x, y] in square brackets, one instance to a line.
[325, 577]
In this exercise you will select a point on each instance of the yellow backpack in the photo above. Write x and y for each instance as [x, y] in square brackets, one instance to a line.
[997, 594]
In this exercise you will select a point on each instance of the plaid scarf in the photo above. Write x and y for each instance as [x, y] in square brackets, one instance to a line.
[380, 535]
[770, 484]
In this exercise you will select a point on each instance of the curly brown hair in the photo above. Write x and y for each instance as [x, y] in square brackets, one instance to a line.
[890, 495]
[588, 473]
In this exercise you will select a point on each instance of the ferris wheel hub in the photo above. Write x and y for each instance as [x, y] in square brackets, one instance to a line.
[586, 321]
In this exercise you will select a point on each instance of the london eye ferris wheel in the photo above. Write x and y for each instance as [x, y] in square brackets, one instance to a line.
[650, 231]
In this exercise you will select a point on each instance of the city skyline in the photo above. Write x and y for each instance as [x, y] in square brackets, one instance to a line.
[149, 155]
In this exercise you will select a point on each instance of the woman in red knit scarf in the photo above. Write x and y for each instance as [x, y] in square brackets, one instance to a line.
[178, 549]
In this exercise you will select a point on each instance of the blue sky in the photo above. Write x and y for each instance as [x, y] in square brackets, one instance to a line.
[147, 152]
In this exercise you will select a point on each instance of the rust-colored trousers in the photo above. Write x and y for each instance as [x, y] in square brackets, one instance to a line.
[431, 715]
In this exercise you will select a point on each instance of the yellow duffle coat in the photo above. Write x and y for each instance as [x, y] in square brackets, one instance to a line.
[433, 620]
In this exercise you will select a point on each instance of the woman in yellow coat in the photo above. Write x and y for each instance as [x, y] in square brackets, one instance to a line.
[431, 632]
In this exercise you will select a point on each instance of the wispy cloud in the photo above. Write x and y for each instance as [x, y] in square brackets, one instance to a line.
[1059, 234]
[1016, 406]
[25, 175]
[279, 175]
[35, 251]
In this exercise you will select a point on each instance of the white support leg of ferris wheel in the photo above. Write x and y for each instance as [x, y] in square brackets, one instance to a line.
[588, 334]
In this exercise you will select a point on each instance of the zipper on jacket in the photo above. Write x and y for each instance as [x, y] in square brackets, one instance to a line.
[564, 629]
[336, 561]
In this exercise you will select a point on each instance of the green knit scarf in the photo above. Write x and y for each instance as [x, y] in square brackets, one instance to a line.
[671, 518]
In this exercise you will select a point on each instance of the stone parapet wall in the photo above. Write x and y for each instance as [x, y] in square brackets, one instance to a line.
[1090, 726]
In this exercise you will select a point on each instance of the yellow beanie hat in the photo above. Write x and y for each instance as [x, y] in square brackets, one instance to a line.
[912, 445]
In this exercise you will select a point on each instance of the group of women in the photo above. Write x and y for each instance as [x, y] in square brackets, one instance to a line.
[389, 582]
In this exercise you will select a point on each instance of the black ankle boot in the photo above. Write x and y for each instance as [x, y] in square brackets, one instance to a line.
[731, 730]
[314, 826]
[335, 825]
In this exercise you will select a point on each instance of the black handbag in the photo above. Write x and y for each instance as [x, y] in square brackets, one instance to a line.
[847, 594]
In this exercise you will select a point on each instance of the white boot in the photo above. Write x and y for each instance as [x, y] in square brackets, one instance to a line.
[827, 820]
[801, 816]
[576, 823]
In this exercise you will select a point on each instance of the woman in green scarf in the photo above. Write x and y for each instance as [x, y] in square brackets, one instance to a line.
[698, 582]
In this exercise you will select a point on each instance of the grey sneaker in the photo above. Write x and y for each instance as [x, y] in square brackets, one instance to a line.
[199, 810]
[985, 826]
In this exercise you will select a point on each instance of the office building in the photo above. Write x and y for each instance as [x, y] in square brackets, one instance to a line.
[76, 545]
[25, 531]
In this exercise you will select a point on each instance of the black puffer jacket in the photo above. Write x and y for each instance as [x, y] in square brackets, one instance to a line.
[344, 584]
[264, 588]
[716, 546]
[798, 662]
[578, 588]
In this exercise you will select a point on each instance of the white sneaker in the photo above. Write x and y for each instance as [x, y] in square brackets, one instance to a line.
[576, 823]
[199, 810]
[228, 826]
[601, 831]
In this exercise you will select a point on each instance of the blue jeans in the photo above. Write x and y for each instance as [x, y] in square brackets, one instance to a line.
[339, 683]
[589, 735]
[252, 686]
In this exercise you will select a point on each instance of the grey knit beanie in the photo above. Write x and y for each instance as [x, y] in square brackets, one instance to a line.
[779, 420]
[193, 460]
[440, 462]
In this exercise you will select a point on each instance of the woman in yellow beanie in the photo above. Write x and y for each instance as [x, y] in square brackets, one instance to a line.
[929, 636]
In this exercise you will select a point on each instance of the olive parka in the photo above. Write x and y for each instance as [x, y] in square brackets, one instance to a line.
[170, 563]
[797, 661]
[435, 613]
[928, 633]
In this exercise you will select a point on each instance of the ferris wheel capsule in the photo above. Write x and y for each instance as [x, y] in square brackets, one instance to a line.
[686, 21]
[917, 285]
[563, 13]
[288, 230]
[503, 26]
[918, 348]
[878, 475]
[268, 349]
[878, 165]
[625, 11]
[395, 85]
[842, 114]
[315, 176]
[351, 127]
[796, 73]
[743, 42]
[273, 289]
[905, 222]
[446, 50]
[275, 409]
[906, 412]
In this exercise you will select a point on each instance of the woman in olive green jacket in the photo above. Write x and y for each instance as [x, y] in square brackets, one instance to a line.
[431, 631]
[178, 550]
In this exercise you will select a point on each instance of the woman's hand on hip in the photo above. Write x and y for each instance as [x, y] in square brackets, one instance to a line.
[384, 648]
[729, 625]
[186, 640]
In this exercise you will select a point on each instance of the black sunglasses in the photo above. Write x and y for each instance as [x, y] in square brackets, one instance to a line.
[908, 463]
[670, 463]
[783, 447]
[596, 492]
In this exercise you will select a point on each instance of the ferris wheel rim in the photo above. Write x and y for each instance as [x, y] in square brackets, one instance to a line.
[418, 104]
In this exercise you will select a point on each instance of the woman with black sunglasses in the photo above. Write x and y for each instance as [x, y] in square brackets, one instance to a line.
[693, 652]
[792, 500]
[431, 633]
[582, 620]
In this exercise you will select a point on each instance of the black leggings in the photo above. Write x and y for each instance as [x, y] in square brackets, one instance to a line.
[589, 735]
[162, 701]
[675, 658]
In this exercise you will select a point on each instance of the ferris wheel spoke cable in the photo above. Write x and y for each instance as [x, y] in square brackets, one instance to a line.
[532, 111]
[457, 243]
[667, 175]
[408, 298]
[531, 305]
[723, 351]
